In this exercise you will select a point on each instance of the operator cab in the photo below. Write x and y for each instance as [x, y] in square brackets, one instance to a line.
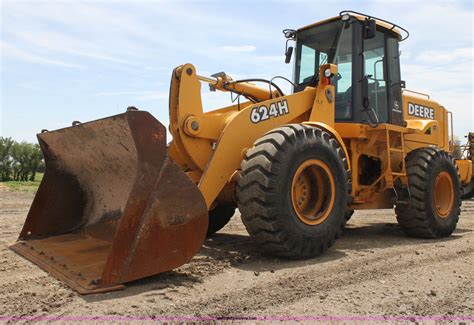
[365, 49]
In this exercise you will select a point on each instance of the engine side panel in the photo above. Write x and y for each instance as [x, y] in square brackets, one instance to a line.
[429, 120]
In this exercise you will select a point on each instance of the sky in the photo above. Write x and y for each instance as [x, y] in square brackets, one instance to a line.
[63, 61]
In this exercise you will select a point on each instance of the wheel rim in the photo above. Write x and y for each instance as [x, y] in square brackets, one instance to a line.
[313, 191]
[443, 199]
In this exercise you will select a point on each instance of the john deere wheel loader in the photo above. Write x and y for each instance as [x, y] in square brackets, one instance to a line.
[117, 204]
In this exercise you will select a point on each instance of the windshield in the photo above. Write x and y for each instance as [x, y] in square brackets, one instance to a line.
[319, 45]
[328, 43]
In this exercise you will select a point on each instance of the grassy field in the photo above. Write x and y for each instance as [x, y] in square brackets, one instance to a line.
[25, 186]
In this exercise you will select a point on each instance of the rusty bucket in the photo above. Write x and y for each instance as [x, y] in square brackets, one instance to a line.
[112, 207]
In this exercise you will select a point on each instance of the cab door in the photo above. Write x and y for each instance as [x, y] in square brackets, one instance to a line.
[381, 67]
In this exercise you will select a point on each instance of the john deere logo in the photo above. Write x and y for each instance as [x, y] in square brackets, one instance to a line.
[420, 111]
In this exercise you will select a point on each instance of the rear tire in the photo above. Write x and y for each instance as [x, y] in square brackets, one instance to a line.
[435, 202]
[219, 217]
[284, 202]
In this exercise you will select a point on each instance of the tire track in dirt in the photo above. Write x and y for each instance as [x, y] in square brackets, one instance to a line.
[37, 294]
[414, 291]
[24, 288]
[303, 284]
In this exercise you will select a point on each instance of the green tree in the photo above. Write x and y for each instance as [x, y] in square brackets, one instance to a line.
[6, 158]
[19, 161]
[35, 160]
[18, 154]
[26, 160]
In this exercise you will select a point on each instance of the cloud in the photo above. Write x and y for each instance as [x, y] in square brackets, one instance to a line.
[10, 51]
[434, 70]
[153, 95]
[60, 43]
[270, 58]
[139, 95]
[444, 57]
[238, 49]
[100, 23]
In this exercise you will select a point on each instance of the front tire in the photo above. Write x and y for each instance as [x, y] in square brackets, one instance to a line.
[293, 191]
[435, 202]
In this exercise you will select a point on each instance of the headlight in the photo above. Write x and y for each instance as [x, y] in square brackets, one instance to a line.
[327, 73]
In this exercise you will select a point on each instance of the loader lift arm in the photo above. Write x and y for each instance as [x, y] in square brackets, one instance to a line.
[210, 146]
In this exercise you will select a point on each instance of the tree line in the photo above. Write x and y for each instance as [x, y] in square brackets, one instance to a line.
[19, 161]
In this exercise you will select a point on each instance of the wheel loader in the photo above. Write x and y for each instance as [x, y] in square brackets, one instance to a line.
[118, 203]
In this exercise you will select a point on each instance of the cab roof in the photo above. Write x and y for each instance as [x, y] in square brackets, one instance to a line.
[361, 17]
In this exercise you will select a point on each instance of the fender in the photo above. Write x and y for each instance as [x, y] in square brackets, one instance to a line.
[334, 133]
[421, 126]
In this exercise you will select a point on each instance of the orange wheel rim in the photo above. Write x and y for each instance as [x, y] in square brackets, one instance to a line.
[313, 191]
[443, 199]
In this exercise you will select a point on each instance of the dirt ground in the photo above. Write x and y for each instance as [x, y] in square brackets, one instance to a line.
[372, 270]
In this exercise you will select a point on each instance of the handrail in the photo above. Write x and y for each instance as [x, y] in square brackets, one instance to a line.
[417, 92]
[450, 116]
[380, 19]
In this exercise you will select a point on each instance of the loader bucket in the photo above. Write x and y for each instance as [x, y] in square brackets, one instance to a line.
[112, 207]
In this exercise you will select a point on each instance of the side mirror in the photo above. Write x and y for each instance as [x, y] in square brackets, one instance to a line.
[288, 54]
[369, 28]
[365, 92]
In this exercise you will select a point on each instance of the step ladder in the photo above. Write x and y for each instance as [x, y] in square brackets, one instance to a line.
[392, 140]
[396, 154]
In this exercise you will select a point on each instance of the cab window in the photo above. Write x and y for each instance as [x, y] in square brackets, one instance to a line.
[374, 65]
[343, 80]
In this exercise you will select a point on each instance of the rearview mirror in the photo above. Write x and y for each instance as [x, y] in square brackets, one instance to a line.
[369, 28]
[289, 52]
